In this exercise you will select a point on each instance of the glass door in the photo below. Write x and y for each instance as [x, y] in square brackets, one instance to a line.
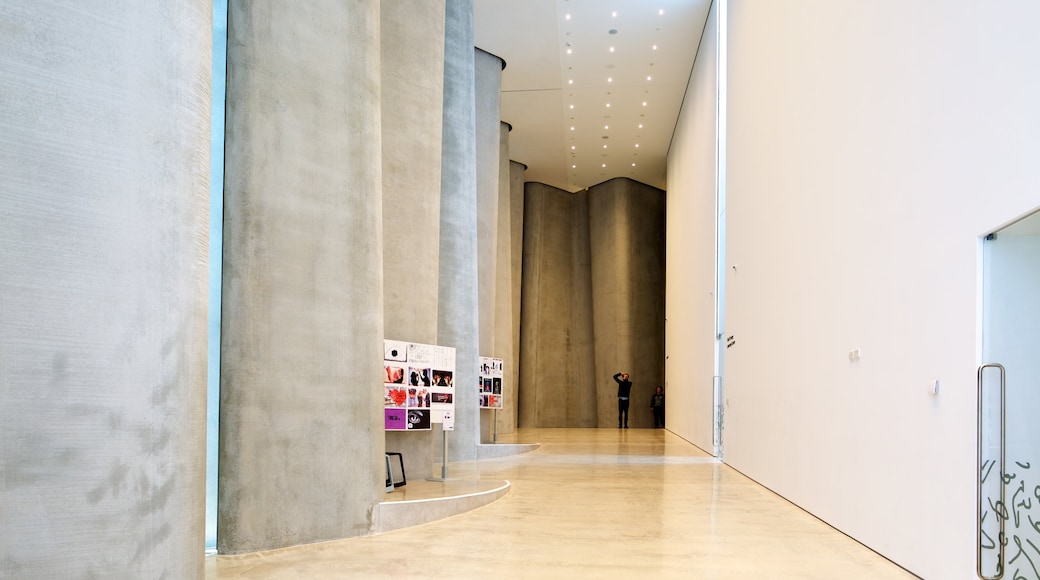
[1009, 405]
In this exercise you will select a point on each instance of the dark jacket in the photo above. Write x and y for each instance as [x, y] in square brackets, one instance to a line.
[624, 386]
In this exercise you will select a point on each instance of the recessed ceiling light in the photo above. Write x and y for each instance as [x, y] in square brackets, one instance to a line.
[660, 12]
[572, 128]
[572, 106]
[637, 144]
[633, 165]
[572, 147]
[570, 82]
[568, 17]
[640, 125]
[604, 146]
[649, 78]
[644, 103]
[610, 79]
[613, 14]
[604, 165]
[569, 51]
[612, 49]
[608, 105]
[605, 127]
[655, 47]
[575, 166]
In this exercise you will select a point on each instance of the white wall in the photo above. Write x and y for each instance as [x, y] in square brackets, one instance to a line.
[690, 260]
[870, 144]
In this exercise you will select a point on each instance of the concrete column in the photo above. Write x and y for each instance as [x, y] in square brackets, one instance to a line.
[503, 348]
[457, 282]
[104, 158]
[508, 414]
[412, 33]
[301, 439]
[487, 96]
[557, 387]
[627, 270]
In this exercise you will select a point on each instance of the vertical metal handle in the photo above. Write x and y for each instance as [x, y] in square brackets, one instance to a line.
[978, 457]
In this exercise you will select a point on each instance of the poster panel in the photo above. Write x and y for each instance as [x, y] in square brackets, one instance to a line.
[418, 384]
[489, 383]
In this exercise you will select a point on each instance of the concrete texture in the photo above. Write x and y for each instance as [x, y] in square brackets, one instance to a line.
[507, 417]
[592, 303]
[504, 346]
[627, 268]
[394, 515]
[487, 99]
[412, 39]
[457, 281]
[104, 158]
[301, 441]
[557, 387]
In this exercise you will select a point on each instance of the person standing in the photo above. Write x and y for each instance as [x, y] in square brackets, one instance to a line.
[657, 405]
[624, 388]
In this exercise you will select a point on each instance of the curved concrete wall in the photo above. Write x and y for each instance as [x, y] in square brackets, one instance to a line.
[412, 38]
[592, 303]
[507, 417]
[557, 385]
[457, 282]
[301, 441]
[504, 346]
[104, 209]
[488, 78]
[628, 293]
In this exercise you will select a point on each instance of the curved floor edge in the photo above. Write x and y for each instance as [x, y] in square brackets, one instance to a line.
[394, 515]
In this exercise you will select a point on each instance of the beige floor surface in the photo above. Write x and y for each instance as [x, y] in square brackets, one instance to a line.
[593, 503]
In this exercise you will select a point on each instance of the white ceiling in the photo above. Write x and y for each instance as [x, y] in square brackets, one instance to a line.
[541, 83]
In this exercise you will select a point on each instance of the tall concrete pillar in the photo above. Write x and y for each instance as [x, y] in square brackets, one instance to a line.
[104, 202]
[412, 33]
[504, 347]
[557, 383]
[510, 392]
[487, 96]
[457, 324]
[627, 243]
[301, 436]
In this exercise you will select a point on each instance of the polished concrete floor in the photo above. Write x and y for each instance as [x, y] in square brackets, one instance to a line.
[592, 503]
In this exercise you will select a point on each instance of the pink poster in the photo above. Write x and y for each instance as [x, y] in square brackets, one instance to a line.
[396, 419]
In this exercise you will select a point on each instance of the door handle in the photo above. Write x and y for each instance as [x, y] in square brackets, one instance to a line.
[978, 457]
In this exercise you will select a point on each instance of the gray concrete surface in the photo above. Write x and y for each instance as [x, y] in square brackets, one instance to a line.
[557, 387]
[487, 99]
[507, 417]
[504, 347]
[104, 203]
[592, 303]
[412, 38]
[627, 250]
[457, 324]
[301, 433]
